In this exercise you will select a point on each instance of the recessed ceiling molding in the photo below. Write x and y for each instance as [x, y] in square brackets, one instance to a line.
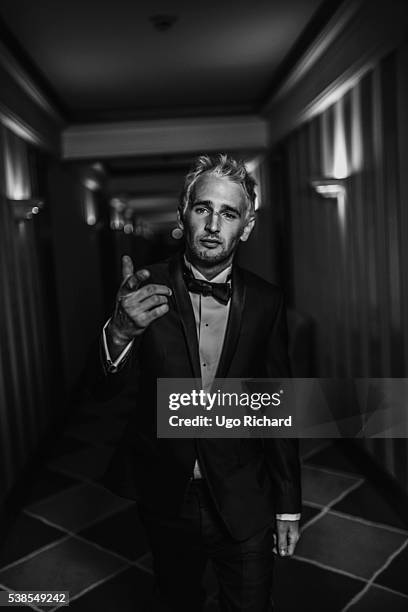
[336, 90]
[336, 25]
[369, 30]
[27, 84]
[167, 136]
[21, 128]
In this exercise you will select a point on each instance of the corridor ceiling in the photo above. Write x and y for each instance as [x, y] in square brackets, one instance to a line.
[102, 60]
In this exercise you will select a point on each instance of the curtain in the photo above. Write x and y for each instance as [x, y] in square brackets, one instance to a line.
[347, 271]
[22, 352]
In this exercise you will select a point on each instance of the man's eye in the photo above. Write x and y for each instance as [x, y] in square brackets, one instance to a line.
[200, 210]
[229, 215]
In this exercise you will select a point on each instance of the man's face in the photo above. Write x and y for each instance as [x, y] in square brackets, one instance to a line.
[215, 220]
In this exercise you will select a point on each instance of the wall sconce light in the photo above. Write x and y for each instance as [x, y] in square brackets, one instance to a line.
[25, 209]
[334, 189]
[118, 206]
[90, 208]
[329, 188]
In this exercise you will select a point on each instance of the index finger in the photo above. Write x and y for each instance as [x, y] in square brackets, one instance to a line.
[127, 267]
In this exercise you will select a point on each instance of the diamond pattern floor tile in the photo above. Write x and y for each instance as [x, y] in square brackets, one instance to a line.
[71, 565]
[379, 600]
[322, 488]
[89, 463]
[102, 519]
[122, 533]
[129, 591]
[307, 514]
[303, 587]
[334, 458]
[46, 483]
[396, 574]
[24, 536]
[79, 506]
[369, 503]
[348, 545]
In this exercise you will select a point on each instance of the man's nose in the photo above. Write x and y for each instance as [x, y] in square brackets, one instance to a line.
[213, 222]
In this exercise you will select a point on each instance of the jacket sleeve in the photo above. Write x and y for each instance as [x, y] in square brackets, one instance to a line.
[282, 454]
[103, 383]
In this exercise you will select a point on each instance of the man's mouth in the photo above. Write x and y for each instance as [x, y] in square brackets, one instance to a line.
[210, 242]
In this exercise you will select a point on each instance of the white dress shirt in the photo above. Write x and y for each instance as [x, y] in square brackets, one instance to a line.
[211, 322]
[211, 319]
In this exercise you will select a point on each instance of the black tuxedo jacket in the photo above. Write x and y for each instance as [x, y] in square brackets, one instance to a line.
[249, 479]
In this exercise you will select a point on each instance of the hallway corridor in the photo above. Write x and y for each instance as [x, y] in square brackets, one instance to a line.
[71, 534]
[111, 117]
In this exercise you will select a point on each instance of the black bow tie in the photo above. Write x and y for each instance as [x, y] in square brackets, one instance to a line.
[219, 291]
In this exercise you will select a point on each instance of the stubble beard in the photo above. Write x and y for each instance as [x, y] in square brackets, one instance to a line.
[206, 257]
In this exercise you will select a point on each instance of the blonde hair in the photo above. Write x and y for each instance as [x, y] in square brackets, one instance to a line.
[219, 165]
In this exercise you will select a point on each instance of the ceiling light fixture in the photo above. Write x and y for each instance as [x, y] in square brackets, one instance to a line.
[162, 23]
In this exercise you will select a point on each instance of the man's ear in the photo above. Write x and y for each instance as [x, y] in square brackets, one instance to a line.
[180, 220]
[248, 229]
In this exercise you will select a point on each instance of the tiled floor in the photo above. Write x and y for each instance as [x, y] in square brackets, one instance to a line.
[71, 534]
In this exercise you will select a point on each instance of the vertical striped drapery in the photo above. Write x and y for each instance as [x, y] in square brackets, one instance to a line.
[347, 271]
[17, 170]
[23, 365]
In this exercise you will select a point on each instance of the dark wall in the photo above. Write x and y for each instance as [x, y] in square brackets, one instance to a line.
[78, 269]
[29, 357]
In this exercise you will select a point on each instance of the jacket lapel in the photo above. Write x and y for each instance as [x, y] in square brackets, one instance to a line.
[234, 322]
[186, 313]
[187, 319]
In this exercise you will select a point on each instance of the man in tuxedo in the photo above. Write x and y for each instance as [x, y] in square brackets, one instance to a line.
[200, 316]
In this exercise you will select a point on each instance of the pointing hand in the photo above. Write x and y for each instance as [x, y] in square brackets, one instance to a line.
[136, 307]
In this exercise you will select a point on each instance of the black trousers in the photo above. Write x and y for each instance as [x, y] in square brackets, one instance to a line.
[182, 546]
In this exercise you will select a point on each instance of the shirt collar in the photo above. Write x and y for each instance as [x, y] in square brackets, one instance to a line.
[220, 278]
